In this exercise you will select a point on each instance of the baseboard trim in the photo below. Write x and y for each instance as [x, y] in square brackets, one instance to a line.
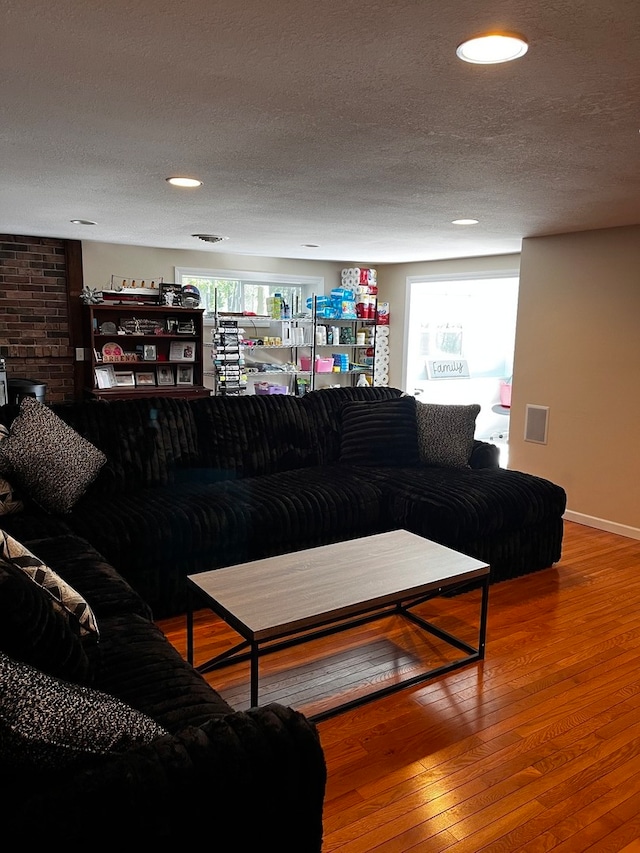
[603, 524]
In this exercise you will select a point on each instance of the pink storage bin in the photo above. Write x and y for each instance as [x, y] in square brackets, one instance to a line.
[324, 365]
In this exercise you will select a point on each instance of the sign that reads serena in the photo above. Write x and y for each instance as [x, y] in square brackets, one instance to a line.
[451, 368]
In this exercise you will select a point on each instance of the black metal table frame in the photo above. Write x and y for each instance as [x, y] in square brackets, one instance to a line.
[403, 606]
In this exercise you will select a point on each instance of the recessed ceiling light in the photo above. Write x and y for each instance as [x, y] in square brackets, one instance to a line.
[310, 245]
[464, 221]
[491, 48]
[82, 222]
[184, 182]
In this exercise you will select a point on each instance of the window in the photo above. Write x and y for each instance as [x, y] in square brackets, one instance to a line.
[247, 292]
[460, 343]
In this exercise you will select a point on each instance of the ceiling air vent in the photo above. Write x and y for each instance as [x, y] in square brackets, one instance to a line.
[210, 238]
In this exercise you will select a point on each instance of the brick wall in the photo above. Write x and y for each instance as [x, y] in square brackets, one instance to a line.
[35, 324]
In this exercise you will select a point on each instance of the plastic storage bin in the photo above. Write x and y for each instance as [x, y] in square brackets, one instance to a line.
[324, 365]
[270, 388]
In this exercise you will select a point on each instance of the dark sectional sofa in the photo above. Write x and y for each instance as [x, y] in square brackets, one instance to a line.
[195, 485]
[140, 493]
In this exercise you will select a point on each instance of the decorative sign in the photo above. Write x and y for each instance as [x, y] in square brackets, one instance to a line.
[451, 368]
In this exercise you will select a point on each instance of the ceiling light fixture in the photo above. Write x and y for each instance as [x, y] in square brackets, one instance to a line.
[464, 221]
[310, 245]
[82, 222]
[210, 238]
[492, 48]
[184, 182]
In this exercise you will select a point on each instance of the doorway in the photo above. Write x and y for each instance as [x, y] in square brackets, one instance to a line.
[460, 345]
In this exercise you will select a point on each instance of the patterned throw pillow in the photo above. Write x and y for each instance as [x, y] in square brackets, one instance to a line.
[48, 460]
[445, 433]
[9, 501]
[61, 593]
[47, 724]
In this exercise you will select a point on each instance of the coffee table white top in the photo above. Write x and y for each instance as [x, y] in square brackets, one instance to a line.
[291, 592]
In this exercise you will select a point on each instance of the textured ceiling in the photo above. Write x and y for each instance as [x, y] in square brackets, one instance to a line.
[347, 124]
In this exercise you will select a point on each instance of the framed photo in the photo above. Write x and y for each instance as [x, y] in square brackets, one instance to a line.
[185, 375]
[105, 376]
[186, 327]
[170, 294]
[149, 352]
[182, 351]
[125, 378]
[147, 377]
[165, 376]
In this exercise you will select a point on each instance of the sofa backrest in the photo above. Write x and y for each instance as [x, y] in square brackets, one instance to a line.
[251, 435]
[145, 441]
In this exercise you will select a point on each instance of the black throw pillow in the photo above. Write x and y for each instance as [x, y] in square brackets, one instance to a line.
[383, 433]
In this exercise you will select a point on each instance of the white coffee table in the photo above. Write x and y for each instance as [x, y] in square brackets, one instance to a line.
[281, 601]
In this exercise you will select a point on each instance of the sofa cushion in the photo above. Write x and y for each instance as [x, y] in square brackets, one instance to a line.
[91, 575]
[381, 433]
[32, 630]
[145, 441]
[49, 461]
[446, 433]
[62, 595]
[47, 723]
[140, 667]
[458, 505]
[252, 435]
[156, 537]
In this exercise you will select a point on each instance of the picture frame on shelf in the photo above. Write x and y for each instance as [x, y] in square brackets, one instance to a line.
[186, 327]
[165, 376]
[182, 351]
[146, 377]
[170, 294]
[105, 376]
[149, 352]
[184, 375]
[125, 378]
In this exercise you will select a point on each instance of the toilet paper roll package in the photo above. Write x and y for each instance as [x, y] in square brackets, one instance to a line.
[383, 314]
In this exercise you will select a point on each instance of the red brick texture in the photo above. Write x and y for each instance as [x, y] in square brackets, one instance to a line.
[35, 334]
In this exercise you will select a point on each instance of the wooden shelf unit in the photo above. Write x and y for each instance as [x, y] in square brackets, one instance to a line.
[152, 325]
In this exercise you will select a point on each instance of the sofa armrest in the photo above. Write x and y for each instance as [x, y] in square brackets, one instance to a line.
[484, 455]
[266, 764]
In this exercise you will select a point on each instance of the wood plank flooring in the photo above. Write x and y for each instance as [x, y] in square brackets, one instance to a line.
[535, 749]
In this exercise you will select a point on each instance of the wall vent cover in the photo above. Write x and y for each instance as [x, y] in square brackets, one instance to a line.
[536, 424]
[210, 238]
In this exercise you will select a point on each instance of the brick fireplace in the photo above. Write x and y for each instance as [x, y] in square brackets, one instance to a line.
[40, 312]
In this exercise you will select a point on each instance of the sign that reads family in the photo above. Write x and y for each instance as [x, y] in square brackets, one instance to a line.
[451, 368]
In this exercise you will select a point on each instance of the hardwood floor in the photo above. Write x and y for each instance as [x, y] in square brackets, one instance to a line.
[535, 749]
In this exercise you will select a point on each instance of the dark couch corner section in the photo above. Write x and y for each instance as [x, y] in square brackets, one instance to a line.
[195, 485]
